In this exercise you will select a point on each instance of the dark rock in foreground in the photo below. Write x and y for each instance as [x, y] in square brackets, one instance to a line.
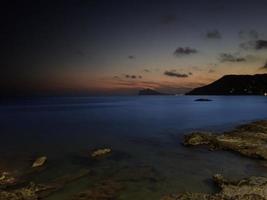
[249, 140]
[235, 85]
[253, 188]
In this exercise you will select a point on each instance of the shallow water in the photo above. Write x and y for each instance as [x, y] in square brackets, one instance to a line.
[145, 133]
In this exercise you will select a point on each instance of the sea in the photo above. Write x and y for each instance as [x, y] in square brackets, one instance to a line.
[145, 133]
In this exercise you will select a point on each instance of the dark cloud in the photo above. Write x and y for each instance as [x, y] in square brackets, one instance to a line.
[227, 57]
[173, 73]
[168, 19]
[214, 34]
[261, 44]
[181, 51]
[146, 70]
[162, 86]
[133, 76]
[131, 57]
[264, 67]
[248, 35]
[190, 73]
[254, 45]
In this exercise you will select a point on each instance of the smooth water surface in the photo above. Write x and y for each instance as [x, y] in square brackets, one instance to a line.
[144, 132]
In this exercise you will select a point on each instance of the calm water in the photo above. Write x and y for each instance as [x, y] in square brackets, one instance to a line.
[145, 134]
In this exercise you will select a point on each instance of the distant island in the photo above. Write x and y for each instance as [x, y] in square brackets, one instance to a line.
[151, 92]
[235, 85]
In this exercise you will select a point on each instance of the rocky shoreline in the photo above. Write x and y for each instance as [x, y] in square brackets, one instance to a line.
[248, 140]
[253, 188]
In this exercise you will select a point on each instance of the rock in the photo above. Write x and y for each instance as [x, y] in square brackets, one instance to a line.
[203, 99]
[187, 196]
[12, 188]
[197, 138]
[6, 179]
[59, 183]
[138, 173]
[39, 161]
[106, 190]
[234, 85]
[100, 152]
[25, 193]
[253, 188]
[40, 191]
[68, 178]
[249, 140]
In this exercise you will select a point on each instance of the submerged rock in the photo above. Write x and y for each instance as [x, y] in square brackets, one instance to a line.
[39, 191]
[139, 173]
[100, 152]
[249, 140]
[253, 188]
[25, 193]
[106, 190]
[59, 183]
[39, 161]
[31, 191]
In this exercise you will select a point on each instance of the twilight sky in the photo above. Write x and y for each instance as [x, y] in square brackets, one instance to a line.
[91, 47]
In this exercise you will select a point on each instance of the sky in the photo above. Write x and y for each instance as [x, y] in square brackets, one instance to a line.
[117, 47]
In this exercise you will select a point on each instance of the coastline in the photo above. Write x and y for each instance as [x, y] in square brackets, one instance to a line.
[145, 134]
[14, 188]
[249, 140]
